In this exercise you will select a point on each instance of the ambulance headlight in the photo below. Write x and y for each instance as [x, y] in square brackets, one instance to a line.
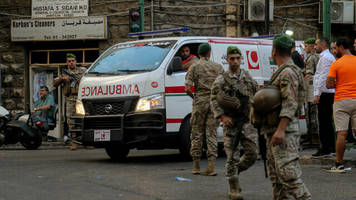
[155, 101]
[79, 108]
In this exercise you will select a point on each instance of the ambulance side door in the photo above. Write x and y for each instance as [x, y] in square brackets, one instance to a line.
[178, 103]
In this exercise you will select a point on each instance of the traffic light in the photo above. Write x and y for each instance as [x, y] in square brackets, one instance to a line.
[135, 20]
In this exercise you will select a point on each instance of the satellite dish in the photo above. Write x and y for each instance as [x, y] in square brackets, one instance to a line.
[258, 10]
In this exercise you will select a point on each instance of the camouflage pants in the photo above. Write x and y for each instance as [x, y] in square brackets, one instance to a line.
[70, 111]
[312, 118]
[247, 140]
[284, 169]
[203, 123]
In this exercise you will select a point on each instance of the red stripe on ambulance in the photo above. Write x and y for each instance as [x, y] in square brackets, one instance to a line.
[173, 121]
[176, 89]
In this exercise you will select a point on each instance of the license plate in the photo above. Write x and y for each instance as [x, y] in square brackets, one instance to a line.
[101, 135]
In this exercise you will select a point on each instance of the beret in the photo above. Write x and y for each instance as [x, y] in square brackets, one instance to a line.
[204, 48]
[233, 50]
[283, 41]
[310, 41]
[71, 55]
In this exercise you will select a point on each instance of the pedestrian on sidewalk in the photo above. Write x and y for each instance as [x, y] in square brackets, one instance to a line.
[296, 57]
[342, 77]
[333, 50]
[324, 98]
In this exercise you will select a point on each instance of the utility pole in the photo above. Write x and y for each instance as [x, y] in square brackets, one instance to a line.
[267, 17]
[238, 18]
[142, 14]
[326, 19]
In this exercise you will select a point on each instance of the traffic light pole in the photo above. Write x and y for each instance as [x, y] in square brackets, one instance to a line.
[142, 14]
[326, 19]
[267, 17]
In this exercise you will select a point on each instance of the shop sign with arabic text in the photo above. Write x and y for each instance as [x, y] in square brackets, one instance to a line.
[59, 8]
[80, 28]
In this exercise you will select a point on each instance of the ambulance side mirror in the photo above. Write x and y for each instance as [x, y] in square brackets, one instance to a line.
[175, 65]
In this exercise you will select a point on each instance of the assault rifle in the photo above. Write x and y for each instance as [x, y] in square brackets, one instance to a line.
[263, 149]
[73, 79]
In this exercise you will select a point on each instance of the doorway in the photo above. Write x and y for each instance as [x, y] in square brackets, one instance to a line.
[45, 66]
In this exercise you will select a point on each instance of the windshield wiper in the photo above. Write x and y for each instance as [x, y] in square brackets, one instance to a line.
[104, 73]
[135, 70]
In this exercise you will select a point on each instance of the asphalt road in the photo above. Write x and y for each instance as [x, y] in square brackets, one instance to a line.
[90, 175]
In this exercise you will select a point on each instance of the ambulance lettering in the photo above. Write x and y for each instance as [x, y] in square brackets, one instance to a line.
[109, 90]
[252, 60]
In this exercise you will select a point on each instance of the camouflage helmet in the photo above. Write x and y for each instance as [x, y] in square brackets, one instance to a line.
[266, 99]
[227, 102]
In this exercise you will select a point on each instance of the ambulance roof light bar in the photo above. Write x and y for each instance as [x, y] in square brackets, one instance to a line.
[159, 32]
[262, 37]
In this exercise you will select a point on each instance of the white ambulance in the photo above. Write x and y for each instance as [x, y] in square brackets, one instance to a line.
[133, 94]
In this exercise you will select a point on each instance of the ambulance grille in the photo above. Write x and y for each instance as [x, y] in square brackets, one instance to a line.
[109, 107]
[116, 108]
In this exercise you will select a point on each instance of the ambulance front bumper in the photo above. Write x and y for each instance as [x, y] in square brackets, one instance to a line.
[130, 128]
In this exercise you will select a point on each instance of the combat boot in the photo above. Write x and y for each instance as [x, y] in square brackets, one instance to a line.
[74, 146]
[235, 190]
[196, 167]
[210, 170]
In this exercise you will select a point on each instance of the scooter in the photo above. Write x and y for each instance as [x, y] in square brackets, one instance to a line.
[19, 128]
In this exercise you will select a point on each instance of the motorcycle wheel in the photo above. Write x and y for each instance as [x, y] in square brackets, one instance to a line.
[31, 143]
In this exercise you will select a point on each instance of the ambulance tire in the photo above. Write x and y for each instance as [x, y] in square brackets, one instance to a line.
[184, 139]
[117, 152]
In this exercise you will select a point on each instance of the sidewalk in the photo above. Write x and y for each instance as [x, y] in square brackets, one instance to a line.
[44, 146]
[307, 159]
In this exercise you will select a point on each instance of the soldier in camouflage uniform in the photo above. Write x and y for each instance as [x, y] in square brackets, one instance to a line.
[70, 92]
[310, 67]
[283, 134]
[201, 75]
[236, 83]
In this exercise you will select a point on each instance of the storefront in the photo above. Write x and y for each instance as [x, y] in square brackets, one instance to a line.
[48, 37]
[45, 65]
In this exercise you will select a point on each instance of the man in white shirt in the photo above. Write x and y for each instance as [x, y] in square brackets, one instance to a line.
[324, 98]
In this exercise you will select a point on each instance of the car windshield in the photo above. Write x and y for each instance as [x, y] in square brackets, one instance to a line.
[132, 58]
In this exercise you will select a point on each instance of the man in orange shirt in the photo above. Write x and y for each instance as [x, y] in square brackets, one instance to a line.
[342, 77]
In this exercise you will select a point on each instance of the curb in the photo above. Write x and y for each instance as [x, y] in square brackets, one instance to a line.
[44, 145]
[309, 160]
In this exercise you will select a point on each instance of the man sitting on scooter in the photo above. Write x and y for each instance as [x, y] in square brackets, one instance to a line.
[44, 107]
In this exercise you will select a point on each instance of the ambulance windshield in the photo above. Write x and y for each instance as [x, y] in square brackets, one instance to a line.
[132, 58]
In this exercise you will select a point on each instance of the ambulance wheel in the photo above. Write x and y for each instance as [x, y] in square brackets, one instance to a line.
[184, 139]
[117, 152]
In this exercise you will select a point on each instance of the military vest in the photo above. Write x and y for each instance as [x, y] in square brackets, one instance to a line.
[240, 93]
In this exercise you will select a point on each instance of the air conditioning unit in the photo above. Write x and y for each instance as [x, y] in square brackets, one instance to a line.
[342, 12]
[256, 10]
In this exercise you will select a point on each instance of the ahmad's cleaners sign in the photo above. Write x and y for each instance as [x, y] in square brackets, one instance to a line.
[80, 28]
[59, 8]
